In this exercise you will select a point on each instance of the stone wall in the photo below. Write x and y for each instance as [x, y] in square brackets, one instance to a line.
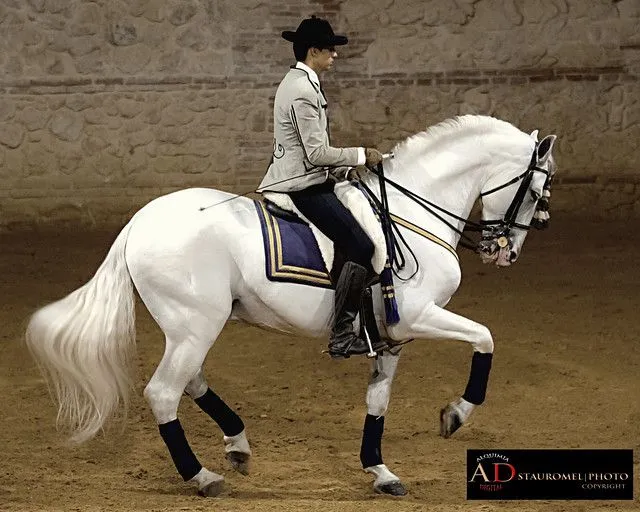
[107, 104]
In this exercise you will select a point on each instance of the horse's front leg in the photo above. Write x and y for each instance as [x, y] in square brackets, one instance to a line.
[438, 323]
[382, 371]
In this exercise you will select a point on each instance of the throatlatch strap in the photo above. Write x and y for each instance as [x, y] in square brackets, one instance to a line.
[478, 378]
[186, 462]
[371, 449]
[228, 421]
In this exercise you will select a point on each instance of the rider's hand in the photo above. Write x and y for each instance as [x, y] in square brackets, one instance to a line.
[373, 157]
[356, 173]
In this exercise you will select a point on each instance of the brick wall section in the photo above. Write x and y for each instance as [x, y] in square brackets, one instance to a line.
[106, 105]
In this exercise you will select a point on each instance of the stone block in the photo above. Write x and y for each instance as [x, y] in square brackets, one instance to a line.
[129, 108]
[70, 159]
[33, 119]
[154, 10]
[40, 161]
[11, 135]
[7, 108]
[175, 115]
[192, 38]
[66, 125]
[180, 12]
[36, 5]
[133, 59]
[123, 33]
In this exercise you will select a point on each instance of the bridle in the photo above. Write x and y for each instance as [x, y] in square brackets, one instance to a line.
[497, 230]
[508, 222]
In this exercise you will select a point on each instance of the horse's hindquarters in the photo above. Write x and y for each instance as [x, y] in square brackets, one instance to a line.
[176, 255]
[182, 257]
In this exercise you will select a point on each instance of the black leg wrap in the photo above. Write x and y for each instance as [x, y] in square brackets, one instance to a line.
[186, 462]
[371, 449]
[228, 421]
[478, 378]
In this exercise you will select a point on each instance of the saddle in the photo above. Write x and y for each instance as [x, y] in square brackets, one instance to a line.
[338, 256]
[355, 201]
[297, 259]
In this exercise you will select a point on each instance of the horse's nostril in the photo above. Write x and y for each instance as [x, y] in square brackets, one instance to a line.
[513, 256]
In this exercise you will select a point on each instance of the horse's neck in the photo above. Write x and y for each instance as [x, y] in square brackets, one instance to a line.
[453, 185]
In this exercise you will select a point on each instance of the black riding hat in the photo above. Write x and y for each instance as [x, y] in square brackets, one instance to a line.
[315, 32]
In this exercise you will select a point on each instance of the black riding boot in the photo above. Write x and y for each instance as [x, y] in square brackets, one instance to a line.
[344, 342]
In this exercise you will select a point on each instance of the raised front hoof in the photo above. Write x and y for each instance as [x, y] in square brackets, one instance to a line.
[449, 421]
[391, 488]
[212, 489]
[239, 461]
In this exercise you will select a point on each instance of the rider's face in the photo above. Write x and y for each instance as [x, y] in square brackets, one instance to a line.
[324, 58]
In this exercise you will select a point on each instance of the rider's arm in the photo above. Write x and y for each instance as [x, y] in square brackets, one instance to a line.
[313, 138]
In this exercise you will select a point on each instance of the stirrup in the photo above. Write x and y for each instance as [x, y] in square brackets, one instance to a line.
[371, 350]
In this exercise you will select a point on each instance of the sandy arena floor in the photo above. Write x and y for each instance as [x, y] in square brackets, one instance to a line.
[566, 374]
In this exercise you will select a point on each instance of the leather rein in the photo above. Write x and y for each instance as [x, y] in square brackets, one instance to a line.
[498, 229]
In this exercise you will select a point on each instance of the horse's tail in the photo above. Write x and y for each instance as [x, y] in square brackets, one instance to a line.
[84, 344]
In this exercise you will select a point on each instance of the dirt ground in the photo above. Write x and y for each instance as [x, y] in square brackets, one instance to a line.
[566, 374]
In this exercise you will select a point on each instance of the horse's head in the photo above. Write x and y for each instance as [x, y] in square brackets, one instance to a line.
[512, 204]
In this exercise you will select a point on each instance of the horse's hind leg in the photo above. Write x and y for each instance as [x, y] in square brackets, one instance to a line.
[187, 343]
[235, 438]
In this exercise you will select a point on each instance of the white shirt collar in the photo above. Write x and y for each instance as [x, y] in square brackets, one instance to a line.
[313, 76]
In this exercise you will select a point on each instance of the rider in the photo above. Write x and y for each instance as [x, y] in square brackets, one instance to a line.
[306, 166]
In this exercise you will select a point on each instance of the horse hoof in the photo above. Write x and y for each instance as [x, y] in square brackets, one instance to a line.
[449, 421]
[391, 488]
[212, 489]
[239, 461]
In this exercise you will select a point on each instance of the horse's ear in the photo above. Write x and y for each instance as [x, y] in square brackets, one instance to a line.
[534, 135]
[545, 147]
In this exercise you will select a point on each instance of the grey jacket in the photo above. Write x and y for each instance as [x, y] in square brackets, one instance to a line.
[301, 138]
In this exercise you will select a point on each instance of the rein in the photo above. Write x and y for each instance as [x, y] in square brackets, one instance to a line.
[499, 228]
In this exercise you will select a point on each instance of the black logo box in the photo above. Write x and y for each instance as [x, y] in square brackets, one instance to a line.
[549, 474]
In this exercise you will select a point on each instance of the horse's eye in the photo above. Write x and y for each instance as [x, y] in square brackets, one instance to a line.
[535, 195]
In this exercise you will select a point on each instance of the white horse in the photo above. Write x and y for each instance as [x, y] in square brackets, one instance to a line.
[196, 268]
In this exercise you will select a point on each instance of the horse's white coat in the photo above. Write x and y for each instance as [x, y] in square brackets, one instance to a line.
[194, 269]
[379, 389]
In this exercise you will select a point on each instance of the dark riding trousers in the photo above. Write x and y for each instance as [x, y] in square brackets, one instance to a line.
[319, 204]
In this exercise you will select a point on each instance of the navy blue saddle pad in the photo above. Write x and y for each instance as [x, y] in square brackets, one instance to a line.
[291, 251]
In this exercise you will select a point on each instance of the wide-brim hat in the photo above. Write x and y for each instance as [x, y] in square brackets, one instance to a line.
[315, 32]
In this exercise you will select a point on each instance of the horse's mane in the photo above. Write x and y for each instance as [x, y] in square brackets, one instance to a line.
[461, 125]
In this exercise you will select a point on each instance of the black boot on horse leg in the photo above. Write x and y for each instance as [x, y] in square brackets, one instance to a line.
[344, 341]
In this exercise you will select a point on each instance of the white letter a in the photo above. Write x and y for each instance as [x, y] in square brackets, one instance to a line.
[481, 471]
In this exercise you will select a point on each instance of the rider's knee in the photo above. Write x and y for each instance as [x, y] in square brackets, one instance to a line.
[368, 248]
[362, 252]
